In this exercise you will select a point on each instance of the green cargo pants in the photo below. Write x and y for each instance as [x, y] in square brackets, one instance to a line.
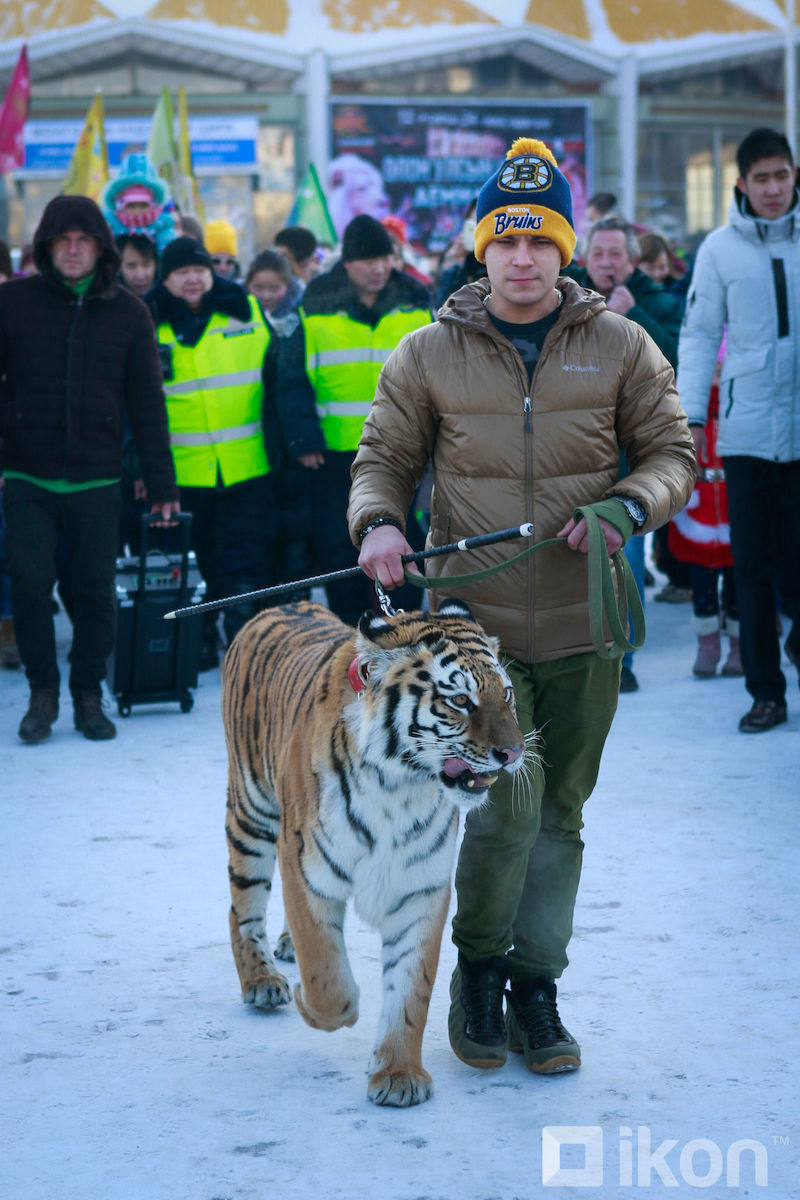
[520, 861]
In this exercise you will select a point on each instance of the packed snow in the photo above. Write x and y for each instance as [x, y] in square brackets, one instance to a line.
[131, 1068]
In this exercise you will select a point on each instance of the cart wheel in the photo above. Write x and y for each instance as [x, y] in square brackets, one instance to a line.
[187, 701]
[123, 708]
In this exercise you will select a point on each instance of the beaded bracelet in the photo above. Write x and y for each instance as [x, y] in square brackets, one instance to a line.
[374, 525]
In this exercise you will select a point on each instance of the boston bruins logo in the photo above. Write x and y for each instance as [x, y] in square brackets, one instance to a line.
[528, 173]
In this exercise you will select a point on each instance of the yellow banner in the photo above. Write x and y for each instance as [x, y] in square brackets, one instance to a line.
[88, 168]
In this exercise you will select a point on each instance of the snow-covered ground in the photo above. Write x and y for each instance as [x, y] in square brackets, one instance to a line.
[131, 1069]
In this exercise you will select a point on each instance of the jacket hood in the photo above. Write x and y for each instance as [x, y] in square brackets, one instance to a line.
[466, 306]
[224, 297]
[76, 212]
[758, 229]
[332, 291]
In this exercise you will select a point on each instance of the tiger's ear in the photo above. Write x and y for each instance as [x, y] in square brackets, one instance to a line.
[455, 608]
[374, 626]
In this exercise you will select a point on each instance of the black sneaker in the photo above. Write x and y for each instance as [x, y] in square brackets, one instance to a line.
[535, 1029]
[90, 720]
[476, 1023]
[37, 724]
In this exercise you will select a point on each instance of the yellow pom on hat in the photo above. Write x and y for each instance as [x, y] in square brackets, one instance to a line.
[526, 194]
[531, 146]
[221, 238]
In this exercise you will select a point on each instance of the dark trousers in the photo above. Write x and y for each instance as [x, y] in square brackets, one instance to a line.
[764, 511]
[705, 583]
[88, 524]
[330, 540]
[233, 537]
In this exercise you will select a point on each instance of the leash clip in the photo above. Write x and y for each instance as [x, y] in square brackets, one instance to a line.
[384, 601]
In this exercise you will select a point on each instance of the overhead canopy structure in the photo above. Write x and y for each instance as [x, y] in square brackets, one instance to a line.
[614, 28]
[304, 45]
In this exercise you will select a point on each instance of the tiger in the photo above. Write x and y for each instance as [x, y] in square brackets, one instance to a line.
[348, 750]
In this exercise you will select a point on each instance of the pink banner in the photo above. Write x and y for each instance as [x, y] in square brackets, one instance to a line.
[14, 114]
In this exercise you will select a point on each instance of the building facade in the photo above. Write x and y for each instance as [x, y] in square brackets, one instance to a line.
[648, 106]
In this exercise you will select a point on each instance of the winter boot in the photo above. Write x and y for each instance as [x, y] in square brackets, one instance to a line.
[9, 651]
[37, 724]
[476, 1025]
[535, 1029]
[708, 646]
[733, 663]
[90, 720]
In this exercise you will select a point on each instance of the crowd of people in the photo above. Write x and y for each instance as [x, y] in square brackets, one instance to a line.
[300, 409]
[268, 372]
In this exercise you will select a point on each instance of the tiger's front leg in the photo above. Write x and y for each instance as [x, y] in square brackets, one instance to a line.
[411, 938]
[327, 995]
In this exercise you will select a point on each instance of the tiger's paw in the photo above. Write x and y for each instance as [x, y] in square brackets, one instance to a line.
[336, 1014]
[400, 1087]
[269, 990]
[284, 950]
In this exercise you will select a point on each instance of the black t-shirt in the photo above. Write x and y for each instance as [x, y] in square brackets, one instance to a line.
[528, 339]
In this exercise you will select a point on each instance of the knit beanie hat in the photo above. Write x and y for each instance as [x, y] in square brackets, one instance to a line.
[183, 252]
[221, 238]
[526, 194]
[365, 237]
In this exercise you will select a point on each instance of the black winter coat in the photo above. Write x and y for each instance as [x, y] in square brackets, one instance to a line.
[71, 367]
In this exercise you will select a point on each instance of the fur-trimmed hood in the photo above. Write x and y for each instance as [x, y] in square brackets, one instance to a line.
[224, 297]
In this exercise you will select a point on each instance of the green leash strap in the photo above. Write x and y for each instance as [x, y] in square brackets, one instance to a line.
[604, 601]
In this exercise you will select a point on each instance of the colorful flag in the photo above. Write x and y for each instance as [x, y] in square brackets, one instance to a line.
[311, 210]
[189, 199]
[88, 168]
[14, 114]
[162, 149]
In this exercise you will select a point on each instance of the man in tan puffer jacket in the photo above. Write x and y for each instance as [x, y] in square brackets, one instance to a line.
[522, 394]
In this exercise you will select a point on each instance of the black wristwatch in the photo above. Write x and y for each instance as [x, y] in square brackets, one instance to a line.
[636, 511]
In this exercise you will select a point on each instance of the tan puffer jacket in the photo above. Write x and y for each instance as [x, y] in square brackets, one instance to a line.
[504, 453]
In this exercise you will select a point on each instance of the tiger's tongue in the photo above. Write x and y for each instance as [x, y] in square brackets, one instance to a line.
[453, 767]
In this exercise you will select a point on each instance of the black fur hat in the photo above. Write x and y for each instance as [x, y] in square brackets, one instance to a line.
[365, 237]
[183, 252]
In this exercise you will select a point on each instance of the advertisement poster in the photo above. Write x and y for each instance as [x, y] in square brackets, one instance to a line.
[426, 162]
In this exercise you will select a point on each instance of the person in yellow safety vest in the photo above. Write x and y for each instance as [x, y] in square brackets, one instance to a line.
[217, 356]
[351, 319]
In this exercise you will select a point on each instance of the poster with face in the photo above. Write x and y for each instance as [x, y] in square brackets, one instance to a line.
[427, 162]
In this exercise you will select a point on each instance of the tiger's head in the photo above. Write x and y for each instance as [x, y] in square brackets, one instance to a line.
[436, 697]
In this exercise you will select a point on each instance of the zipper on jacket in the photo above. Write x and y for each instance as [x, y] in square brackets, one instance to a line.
[730, 399]
[78, 303]
[781, 300]
[527, 408]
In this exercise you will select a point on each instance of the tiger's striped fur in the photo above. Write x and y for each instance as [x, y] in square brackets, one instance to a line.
[355, 793]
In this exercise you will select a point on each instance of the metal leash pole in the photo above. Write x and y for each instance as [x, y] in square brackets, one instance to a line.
[280, 589]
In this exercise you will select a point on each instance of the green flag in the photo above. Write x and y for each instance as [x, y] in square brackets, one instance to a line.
[162, 149]
[310, 209]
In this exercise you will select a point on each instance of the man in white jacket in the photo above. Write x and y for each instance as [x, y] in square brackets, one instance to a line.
[747, 277]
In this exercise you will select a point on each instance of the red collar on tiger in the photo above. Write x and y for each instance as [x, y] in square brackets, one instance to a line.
[357, 674]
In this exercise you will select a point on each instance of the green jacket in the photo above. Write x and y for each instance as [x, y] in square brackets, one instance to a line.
[658, 311]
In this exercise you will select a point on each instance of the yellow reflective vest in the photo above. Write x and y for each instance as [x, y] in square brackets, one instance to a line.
[343, 361]
[214, 400]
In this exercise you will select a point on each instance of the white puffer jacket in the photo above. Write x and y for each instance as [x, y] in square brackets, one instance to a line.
[747, 276]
